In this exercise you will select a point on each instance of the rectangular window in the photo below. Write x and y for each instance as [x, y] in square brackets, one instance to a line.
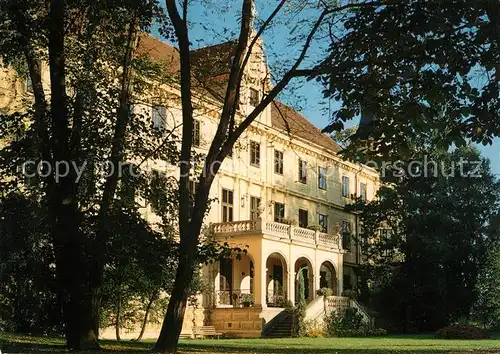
[254, 208]
[193, 187]
[347, 282]
[279, 212]
[156, 191]
[227, 205]
[278, 162]
[128, 184]
[321, 178]
[385, 241]
[29, 84]
[345, 186]
[346, 235]
[130, 109]
[254, 97]
[303, 218]
[302, 171]
[254, 153]
[362, 191]
[196, 133]
[323, 222]
[159, 115]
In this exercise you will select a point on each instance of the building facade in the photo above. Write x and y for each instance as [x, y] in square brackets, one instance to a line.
[280, 196]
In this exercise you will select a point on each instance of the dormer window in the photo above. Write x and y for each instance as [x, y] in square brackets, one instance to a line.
[159, 114]
[254, 97]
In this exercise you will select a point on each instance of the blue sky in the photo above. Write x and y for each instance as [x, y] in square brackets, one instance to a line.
[279, 41]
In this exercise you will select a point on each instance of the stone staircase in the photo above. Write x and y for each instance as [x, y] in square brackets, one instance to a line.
[280, 326]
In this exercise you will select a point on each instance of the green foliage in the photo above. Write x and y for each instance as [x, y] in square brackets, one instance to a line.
[337, 322]
[302, 286]
[351, 294]
[313, 329]
[414, 69]
[28, 302]
[299, 312]
[461, 331]
[422, 273]
[343, 137]
[299, 328]
[487, 307]
[324, 292]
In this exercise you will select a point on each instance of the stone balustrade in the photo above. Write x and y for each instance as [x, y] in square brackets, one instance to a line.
[277, 230]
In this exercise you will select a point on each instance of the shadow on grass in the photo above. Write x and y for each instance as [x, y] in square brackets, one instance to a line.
[11, 343]
[26, 344]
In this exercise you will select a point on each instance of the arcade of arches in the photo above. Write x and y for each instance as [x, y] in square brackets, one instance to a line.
[237, 280]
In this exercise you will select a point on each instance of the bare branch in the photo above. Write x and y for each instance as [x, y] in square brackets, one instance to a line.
[181, 32]
[164, 141]
[274, 91]
[231, 90]
[252, 43]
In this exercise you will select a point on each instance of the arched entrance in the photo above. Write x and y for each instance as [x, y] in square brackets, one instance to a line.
[328, 277]
[304, 277]
[276, 280]
[235, 279]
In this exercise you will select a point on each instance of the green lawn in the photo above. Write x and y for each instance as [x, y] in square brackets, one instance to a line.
[396, 344]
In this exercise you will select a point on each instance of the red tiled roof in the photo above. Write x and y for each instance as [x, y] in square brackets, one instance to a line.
[289, 121]
[160, 51]
[215, 61]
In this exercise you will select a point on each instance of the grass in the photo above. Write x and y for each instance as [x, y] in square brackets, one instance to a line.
[11, 343]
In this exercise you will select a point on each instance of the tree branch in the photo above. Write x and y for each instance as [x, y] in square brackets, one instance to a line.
[232, 86]
[181, 32]
[250, 47]
[274, 91]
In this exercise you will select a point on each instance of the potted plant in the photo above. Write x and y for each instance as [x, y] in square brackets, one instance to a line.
[235, 300]
[246, 300]
[315, 227]
[324, 292]
[291, 222]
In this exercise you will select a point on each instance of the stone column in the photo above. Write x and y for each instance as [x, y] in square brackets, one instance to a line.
[260, 282]
[340, 275]
[291, 284]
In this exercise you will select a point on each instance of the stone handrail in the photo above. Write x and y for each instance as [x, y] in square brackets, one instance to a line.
[315, 309]
[302, 234]
[328, 240]
[234, 226]
[366, 316]
[337, 304]
[279, 230]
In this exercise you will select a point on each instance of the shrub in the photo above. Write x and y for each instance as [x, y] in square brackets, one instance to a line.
[313, 329]
[315, 227]
[350, 324]
[324, 292]
[461, 331]
[337, 322]
[351, 294]
[291, 222]
[299, 325]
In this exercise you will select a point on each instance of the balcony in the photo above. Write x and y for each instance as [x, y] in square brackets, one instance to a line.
[277, 231]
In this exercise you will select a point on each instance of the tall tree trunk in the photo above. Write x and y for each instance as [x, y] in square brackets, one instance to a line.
[117, 320]
[68, 243]
[152, 299]
[116, 157]
[174, 318]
